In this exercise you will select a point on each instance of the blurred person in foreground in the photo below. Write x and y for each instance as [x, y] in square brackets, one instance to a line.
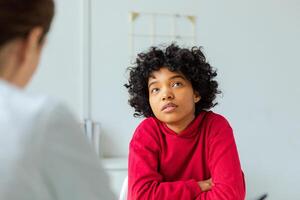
[43, 153]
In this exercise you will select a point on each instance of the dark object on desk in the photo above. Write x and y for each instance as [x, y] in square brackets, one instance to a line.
[264, 196]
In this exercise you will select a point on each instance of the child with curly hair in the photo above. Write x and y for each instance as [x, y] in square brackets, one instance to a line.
[181, 150]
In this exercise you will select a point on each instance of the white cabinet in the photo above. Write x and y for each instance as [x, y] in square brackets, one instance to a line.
[116, 169]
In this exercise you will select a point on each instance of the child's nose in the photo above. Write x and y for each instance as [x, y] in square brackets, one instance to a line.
[167, 95]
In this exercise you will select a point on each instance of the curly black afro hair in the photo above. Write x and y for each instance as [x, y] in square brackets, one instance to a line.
[190, 62]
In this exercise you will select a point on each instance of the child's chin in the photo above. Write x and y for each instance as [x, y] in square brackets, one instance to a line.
[169, 120]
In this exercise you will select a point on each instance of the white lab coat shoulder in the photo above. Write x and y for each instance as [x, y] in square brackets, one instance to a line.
[44, 154]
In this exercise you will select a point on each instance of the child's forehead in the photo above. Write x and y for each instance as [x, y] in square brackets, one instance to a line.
[164, 71]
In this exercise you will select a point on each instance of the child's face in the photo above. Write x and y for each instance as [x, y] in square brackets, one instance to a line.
[172, 98]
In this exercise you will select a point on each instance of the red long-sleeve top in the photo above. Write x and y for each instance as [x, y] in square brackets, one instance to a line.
[165, 165]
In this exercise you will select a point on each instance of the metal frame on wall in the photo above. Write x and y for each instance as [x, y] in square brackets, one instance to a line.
[153, 34]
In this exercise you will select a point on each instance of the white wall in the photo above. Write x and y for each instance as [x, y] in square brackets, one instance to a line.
[253, 44]
[61, 70]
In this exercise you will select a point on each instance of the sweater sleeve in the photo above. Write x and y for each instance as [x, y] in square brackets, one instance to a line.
[144, 180]
[224, 164]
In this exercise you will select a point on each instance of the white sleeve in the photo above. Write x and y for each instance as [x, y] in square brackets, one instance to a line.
[69, 166]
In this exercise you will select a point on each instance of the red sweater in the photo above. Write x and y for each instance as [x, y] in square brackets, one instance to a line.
[165, 165]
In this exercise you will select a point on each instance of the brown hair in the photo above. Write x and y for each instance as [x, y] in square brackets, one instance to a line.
[19, 17]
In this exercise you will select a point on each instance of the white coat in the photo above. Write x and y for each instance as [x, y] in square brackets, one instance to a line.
[43, 153]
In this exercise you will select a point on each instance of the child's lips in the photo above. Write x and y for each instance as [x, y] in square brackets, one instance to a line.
[169, 107]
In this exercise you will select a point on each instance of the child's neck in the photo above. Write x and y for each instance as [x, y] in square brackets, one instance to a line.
[176, 129]
[180, 126]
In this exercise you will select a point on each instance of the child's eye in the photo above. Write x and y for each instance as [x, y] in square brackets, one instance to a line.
[154, 90]
[177, 84]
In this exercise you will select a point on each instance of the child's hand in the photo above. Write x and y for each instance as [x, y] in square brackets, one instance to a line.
[206, 185]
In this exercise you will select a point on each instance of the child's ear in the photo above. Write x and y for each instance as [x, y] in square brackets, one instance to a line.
[197, 97]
